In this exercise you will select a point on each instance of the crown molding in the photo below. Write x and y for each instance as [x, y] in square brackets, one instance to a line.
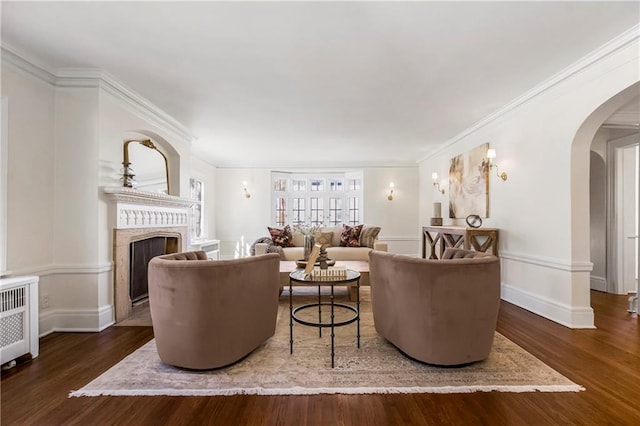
[96, 78]
[18, 60]
[609, 48]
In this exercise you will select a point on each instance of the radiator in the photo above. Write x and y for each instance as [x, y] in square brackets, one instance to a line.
[211, 247]
[18, 317]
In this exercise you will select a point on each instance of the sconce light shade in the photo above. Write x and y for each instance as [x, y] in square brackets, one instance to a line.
[391, 186]
[434, 176]
[491, 154]
[246, 191]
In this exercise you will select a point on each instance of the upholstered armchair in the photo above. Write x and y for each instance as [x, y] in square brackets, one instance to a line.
[441, 312]
[211, 313]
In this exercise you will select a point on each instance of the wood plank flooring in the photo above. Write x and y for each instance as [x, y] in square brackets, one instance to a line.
[606, 361]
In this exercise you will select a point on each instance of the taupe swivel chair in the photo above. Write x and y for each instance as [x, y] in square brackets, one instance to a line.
[211, 313]
[441, 312]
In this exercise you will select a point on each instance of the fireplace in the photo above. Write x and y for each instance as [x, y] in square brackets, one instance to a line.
[141, 252]
[143, 216]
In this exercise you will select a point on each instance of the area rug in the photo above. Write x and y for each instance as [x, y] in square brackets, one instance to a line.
[377, 367]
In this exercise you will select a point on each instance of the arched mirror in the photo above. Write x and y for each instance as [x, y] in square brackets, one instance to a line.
[145, 167]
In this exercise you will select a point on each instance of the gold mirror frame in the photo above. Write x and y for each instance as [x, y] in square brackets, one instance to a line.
[127, 172]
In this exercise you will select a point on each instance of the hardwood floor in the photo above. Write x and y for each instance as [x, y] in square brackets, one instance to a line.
[606, 361]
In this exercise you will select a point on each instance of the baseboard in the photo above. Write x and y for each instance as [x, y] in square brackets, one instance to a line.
[598, 283]
[550, 309]
[76, 320]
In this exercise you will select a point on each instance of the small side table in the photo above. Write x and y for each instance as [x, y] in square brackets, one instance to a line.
[299, 277]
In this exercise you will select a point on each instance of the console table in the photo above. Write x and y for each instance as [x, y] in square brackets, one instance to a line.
[438, 238]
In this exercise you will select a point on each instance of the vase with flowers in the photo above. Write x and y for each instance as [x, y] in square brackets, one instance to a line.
[308, 232]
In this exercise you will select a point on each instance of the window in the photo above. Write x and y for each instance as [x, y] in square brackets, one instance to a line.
[317, 185]
[299, 211]
[335, 184]
[329, 199]
[281, 211]
[317, 211]
[335, 211]
[3, 184]
[299, 184]
[197, 214]
[354, 211]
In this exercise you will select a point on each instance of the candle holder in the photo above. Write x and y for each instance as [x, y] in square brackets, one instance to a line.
[127, 175]
[436, 220]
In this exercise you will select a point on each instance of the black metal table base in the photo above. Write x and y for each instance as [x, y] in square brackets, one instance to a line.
[319, 324]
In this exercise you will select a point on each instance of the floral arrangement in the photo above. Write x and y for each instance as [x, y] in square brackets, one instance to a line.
[306, 229]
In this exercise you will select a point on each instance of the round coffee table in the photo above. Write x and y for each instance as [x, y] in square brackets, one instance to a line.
[300, 277]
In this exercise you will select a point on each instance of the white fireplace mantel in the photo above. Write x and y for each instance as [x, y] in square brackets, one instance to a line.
[140, 209]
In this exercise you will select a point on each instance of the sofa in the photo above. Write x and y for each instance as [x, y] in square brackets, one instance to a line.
[334, 250]
[211, 313]
[440, 311]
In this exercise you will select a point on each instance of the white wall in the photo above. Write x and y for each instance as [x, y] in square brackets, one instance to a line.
[65, 143]
[240, 219]
[31, 171]
[398, 218]
[545, 257]
[30, 178]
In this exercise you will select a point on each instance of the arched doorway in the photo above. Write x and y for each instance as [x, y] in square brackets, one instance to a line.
[581, 185]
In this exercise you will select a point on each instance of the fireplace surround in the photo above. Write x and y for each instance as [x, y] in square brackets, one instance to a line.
[137, 216]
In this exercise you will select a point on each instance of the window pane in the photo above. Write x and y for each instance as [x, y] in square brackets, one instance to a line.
[335, 211]
[299, 185]
[354, 184]
[354, 211]
[336, 184]
[298, 211]
[280, 185]
[281, 211]
[317, 184]
[317, 211]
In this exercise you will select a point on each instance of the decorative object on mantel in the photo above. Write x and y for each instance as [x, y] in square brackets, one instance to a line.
[474, 221]
[127, 172]
[436, 183]
[469, 183]
[127, 175]
[436, 220]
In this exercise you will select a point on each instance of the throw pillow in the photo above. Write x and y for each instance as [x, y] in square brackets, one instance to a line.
[350, 236]
[368, 235]
[281, 237]
[276, 249]
[324, 238]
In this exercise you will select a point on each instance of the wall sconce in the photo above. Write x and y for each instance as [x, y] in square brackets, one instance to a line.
[246, 191]
[491, 154]
[391, 186]
[434, 176]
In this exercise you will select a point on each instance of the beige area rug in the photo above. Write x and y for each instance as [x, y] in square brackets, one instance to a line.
[377, 367]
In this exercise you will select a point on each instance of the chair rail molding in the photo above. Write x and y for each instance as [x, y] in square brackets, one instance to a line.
[548, 262]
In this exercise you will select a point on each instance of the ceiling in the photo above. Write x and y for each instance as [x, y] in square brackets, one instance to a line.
[318, 83]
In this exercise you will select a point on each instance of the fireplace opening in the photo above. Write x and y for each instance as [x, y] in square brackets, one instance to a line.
[141, 252]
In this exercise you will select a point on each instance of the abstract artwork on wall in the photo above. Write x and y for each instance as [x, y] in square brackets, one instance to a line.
[469, 184]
